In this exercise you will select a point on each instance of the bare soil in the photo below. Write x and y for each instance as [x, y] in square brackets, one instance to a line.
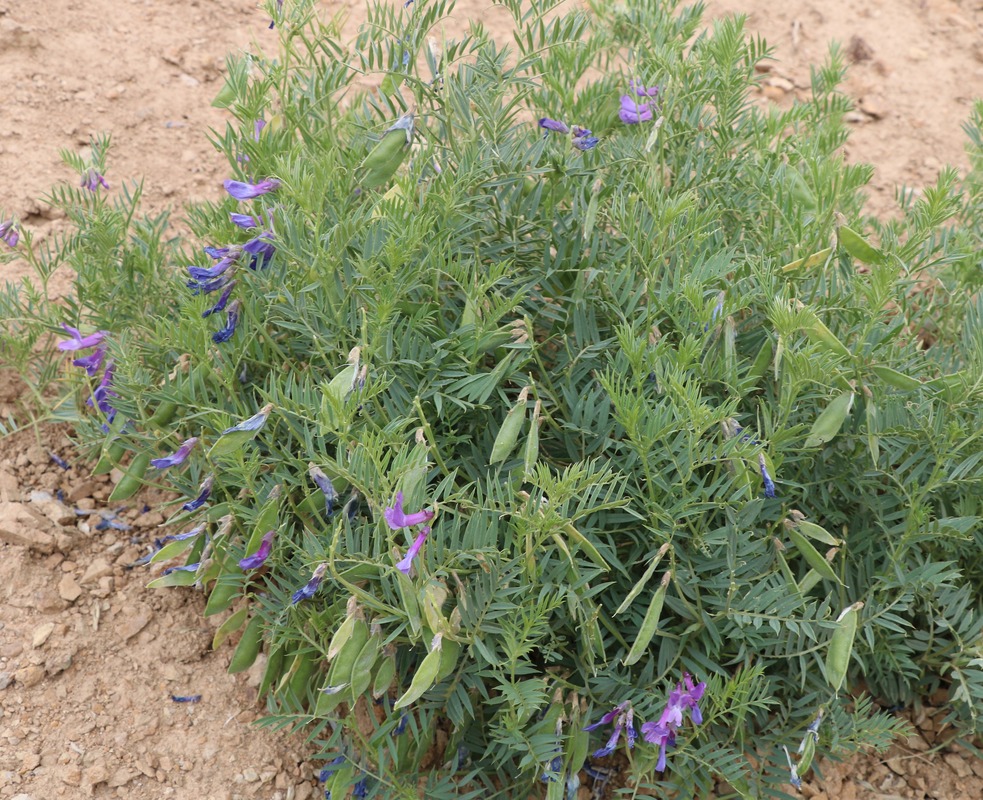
[90, 659]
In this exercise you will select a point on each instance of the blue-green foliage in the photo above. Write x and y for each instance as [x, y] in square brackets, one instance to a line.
[679, 302]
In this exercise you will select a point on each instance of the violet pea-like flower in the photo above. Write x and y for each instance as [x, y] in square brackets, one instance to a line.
[222, 301]
[254, 423]
[204, 492]
[102, 393]
[323, 483]
[257, 559]
[583, 139]
[78, 341]
[91, 363]
[554, 125]
[396, 518]
[623, 717]
[232, 320]
[634, 109]
[765, 477]
[92, 180]
[309, 589]
[244, 221]
[261, 249]
[177, 457]
[8, 233]
[406, 563]
[247, 191]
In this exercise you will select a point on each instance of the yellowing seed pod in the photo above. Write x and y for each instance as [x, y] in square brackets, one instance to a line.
[381, 164]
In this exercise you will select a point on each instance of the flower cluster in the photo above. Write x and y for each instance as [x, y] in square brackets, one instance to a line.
[92, 364]
[639, 104]
[256, 254]
[92, 179]
[397, 519]
[663, 732]
[580, 138]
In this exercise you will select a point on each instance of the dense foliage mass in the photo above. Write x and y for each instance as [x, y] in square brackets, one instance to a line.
[540, 405]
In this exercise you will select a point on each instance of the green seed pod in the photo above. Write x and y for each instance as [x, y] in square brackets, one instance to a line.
[449, 653]
[532, 443]
[274, 666]
[841, 645]
[173, 579]
[829, 422]
[858, 247]
[344, 661]
[361, 677]
[248, 647]
[508, 434]
[227, 589]
[811, 529]
[649, 624]
[809, 261]
[759, 367]
[341, 637]
[164, 414]
[896, 379]
[109, 459]
[381, 164]
[811, 555]
[650, 570]
[228, 627]
[817, 332]
[384, 675]
[131, 482]
[299, 686]
[425, 677]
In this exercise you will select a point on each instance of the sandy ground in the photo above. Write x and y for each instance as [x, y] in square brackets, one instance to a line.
[88, 658]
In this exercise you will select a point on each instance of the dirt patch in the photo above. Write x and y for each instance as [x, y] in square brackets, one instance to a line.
[89, 659]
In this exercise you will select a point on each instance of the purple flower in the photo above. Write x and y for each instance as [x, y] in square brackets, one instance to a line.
[204, 491]
[663, 732]
[623, 716]
[257, 559]
[553, 125]
[189, 698]
[259, 124]
[406, 563]
[361, 788]
[308, 590]
[232, 319]
[765, 477]
[222, 301]
[583, 140]
[91, 363]
[260, 247]
[102, 393]
[203, 274]
[92, 180]
[254, 423]
[78, 341]
[61, 462]
[8, 233]
[221, 252]
[396, 518]
[400, 728]
[244, 221]
[634, 109]
[247, 191]
[177, 457]
[209, 286]
[324, 484]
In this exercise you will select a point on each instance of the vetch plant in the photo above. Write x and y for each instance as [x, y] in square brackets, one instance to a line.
[595, 324]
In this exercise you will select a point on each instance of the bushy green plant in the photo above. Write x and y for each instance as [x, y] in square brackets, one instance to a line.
[661, 411]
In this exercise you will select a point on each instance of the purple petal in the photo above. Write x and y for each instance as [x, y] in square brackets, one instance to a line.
[177, 457]
[406, 563]
[245, 221]
[247, 191]
[309, 589]
[257, 559]
[78, 341]
[765, 477]
[553, 125]
[91, 363]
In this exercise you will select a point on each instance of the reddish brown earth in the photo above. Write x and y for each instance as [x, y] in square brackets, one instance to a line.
[89, 659]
